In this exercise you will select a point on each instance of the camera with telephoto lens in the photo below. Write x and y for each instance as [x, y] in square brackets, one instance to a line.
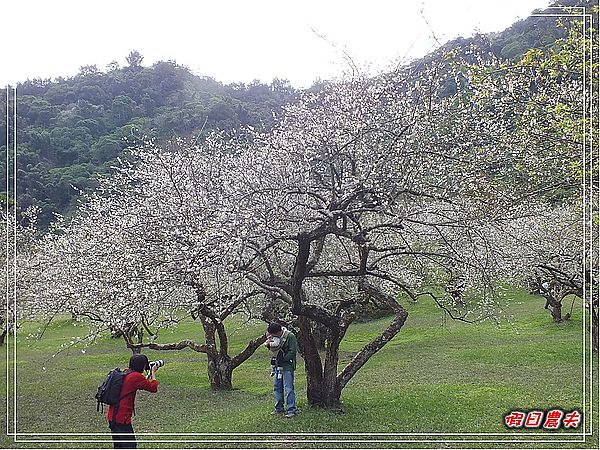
[154, 365]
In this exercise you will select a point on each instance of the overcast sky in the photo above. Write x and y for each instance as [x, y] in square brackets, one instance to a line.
[237, 40]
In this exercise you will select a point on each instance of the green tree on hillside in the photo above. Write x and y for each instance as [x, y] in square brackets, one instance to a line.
[134, 59]
[88, 120]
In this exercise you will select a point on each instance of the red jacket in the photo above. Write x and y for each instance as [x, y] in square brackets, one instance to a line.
[132, 382]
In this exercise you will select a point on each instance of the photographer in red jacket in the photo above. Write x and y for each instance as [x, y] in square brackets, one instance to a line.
[134, 380]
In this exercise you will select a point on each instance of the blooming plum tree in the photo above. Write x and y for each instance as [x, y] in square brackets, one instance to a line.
[372, 187]
[144, 253]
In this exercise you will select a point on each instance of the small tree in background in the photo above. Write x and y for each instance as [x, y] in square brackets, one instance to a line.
[134, 59]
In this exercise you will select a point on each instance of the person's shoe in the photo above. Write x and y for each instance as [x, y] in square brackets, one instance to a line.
[277, 413]
[290, 415]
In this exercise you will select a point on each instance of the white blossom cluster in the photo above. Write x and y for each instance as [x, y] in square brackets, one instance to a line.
[382, 178]
[19, 237]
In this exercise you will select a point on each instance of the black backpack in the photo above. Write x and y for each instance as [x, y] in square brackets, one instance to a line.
[109, 392]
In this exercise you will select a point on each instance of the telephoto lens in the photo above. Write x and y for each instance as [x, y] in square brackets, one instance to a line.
[156, 364]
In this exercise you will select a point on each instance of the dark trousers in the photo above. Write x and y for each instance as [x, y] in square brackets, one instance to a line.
[121, 441]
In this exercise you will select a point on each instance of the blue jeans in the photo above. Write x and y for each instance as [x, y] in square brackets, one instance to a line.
[283, 381]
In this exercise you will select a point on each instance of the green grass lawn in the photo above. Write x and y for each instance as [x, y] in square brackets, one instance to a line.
[435, 376]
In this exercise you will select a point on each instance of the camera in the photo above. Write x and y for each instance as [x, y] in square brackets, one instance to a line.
[153, 365]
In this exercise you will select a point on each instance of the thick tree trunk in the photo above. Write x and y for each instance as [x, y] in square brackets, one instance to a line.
[312, 362]
[219, 365]
[554, 305]
[220, 372]
[332, 389]
[556, 311]
[319, 332]
[323, 386]
[554, 298]
[324, 383]
[330, 397]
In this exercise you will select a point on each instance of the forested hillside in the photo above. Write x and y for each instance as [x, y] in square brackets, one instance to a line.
[70, 129]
